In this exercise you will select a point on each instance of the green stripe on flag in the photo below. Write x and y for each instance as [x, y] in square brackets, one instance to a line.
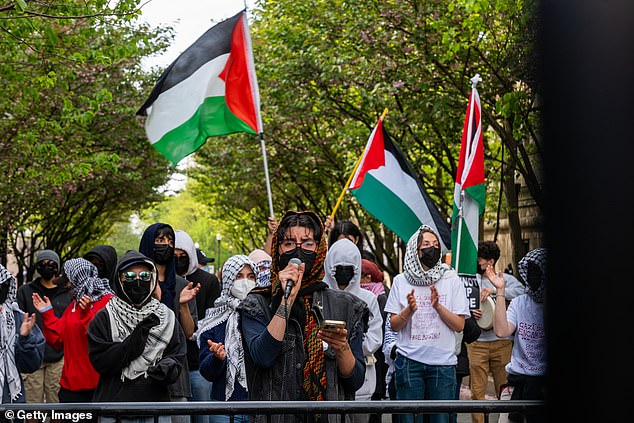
[387, 207]
[467, 251]
[212, 118]
[478, 193]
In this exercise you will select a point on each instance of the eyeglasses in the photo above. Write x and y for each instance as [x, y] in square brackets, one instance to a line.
[131, 277]
[289, 244]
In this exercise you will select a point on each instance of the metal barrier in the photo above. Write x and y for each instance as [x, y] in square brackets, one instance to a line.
[78, 412]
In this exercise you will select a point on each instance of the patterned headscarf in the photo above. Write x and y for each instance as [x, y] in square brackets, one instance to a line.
[314, 369]
[225, 309]
[84, 280]
[263, 262]
[538, 257]
[9, 374]
[414, 272]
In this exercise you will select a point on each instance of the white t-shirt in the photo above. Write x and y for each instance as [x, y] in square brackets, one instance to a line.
[529, 347]
[426, 338]
[514, 288]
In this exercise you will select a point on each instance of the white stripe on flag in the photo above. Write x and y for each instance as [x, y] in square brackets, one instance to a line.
[175, 106]
[472, 139]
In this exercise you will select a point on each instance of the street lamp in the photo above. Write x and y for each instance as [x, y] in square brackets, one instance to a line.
[218, 238]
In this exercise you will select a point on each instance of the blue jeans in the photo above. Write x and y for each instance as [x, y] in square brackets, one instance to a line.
[201, 391]
[238, 418]
[418, 381]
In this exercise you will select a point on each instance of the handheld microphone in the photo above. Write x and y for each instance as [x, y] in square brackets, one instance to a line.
[290, 282]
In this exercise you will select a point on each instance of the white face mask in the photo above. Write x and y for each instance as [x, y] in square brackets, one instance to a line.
[241, 288]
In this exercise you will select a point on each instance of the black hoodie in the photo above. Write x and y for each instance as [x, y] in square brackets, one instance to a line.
[110, 358]
[108, 255]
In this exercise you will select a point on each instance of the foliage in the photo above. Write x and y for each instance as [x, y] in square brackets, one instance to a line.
[75, 155]
[327, 69]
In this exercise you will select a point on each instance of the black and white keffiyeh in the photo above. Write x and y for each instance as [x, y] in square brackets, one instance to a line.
[124, 318]
[538, 257]
[413, 269]
[84, 279]
[225, 310]
[9, 374]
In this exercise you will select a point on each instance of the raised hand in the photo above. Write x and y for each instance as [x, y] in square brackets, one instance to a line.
[40, 303]
[217, 349]
[188, 293]
[27, 324]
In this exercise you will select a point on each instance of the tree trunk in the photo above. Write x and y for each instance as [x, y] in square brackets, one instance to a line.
[511, 197]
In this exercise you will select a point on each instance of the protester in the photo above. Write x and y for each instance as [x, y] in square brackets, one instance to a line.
[469, 334]
[389, 352]
[135, 343]
[489, 353]
[262, 261]
[21, 342]
[427, 306]
[346, 229]
[104, 257]
[204, 261]
[157, 243]
[285, 356]
[525, 319]
[186, 256]
[220, 340]
[43, 384]
[89, 295]
[343, 271]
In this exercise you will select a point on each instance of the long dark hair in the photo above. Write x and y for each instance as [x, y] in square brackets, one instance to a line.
[346, 227]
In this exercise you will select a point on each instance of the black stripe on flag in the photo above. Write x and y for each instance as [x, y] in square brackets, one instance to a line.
[444, 228]
[213, 43]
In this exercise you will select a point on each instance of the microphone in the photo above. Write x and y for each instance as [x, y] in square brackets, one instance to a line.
[290, 282]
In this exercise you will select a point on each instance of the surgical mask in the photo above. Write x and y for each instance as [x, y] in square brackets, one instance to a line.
[47, 271]
[163, 253]
[182, 265]
[343, 275]
[241, 288]
[138, 292]
[430, 256]
[306, 256]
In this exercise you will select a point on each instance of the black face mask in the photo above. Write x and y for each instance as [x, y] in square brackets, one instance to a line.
[343, 275]
[4, 292]
[307, 257]
[163, 253]
[138, 292]
[182, 265]
[430, 256]
[480, 270]
[46, 271]
[533, 276]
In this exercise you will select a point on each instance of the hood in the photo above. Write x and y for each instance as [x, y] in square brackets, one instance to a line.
[129, 258]
[184, 242]
[343, 252]
[108, 255]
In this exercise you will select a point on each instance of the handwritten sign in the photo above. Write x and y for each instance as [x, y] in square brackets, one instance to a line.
[473, 290]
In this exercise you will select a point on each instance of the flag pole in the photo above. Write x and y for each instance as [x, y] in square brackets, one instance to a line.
[354, 169]
[266, 176]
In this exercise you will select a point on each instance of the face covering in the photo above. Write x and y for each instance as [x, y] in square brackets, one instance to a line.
[4, 292]
[307, 257]
[343, 275]
[163, 253]
[47, 271]
[182, 265]
[533, 276]
[430, 256]
[480, 270]
[138, 292]
[241, 288]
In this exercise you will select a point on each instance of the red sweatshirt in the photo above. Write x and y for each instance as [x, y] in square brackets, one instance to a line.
[70, 332]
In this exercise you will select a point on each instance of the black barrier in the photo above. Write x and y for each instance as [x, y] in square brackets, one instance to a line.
[84, 411]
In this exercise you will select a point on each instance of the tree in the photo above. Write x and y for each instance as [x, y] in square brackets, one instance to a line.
[77, 159]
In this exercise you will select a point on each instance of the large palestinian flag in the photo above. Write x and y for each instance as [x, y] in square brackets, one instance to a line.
[209, 90]
[469, 190]
[386, 185]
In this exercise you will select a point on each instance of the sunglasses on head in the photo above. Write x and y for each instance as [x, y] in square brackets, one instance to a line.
[130, 277]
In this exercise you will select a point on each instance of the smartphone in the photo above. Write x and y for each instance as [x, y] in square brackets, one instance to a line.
[332, 325]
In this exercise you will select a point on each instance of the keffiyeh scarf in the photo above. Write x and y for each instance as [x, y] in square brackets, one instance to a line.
[225, 309]
[124, 318]
[84, 279]
[537, 256]
[9, 374]
[413, 269]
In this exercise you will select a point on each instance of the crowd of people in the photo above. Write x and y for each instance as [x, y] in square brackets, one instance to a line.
[309, 316]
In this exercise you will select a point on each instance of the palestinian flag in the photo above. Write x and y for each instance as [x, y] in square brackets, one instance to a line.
[469, 190]
[209, 90]
[386, 185]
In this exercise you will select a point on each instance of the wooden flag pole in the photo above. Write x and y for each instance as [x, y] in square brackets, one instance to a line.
[345, 187]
